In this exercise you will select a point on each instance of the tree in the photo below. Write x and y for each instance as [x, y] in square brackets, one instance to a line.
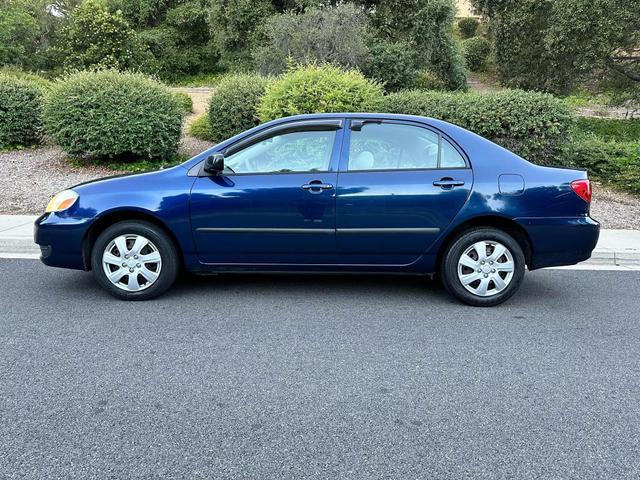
[18, 35]
[95, 37]
[552, 44]
[234, 25]
[426, 25]
[334, 35]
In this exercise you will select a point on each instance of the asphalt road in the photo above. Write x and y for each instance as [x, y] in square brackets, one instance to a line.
[318, 377]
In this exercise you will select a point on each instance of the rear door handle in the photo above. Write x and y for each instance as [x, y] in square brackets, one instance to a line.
[448, 183]
[316, 186]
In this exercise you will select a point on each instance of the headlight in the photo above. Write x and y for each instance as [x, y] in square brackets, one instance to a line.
[62, 201]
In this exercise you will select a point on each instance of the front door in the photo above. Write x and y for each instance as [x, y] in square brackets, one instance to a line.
[275, 201]
[400, 185]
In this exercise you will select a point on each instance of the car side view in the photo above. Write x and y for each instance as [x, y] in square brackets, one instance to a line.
[357, 193]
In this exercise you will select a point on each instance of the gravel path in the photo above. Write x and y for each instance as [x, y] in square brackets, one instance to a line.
[615, 209]
[28, 178]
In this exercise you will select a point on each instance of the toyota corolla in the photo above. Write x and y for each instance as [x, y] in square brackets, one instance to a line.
[356, 193]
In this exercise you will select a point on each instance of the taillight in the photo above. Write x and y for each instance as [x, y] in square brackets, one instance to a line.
[582, 189]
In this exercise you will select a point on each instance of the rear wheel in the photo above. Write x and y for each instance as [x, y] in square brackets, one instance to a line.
[483, 267]
[134, 260]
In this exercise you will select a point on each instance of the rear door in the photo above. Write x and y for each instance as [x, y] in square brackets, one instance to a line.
[400, 185]
[275, 201]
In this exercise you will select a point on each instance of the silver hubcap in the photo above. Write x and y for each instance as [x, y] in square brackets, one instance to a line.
[131, 262]
[486, 268]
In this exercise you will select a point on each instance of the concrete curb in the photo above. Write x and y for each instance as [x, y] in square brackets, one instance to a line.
[616, 248]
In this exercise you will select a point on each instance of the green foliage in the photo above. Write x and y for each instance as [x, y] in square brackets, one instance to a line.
[234, 106]
[235, 26]
[611, 128]
[334, 35]
[614, 163]
[320, 89]
[198, 80]
[468, 27]
[201, 128]
[426, 26]
[20, 112]
[117, 115]
[428, 80]
[95, 37]
[185, 101]
[530, 124]
[476, 52]
[42, 82]
[392, 64]
[19, 33]
[550, 45]
[172, 59]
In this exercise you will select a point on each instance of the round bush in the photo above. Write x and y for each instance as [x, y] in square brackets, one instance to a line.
[112, 114]
[201, 128]
[392, 64]
[20, 112]
[185, 101]
[234, 105]
[468, 27]
[320, 89]
[531, 124]
[476, 51]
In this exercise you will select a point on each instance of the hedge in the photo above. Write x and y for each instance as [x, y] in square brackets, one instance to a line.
[20, 111]
[320, 89]
[531, 124]
[234, 105]
[116, 115]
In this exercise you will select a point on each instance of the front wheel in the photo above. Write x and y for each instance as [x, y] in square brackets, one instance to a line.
[134, 260]
[483, 267]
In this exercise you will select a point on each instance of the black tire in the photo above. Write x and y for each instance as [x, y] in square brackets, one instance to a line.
[159, 239]
[449, 267]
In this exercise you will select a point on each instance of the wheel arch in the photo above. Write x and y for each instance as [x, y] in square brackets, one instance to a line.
[495, 221]
[110, 218]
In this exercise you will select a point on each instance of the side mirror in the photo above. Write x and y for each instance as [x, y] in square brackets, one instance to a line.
[214, 164]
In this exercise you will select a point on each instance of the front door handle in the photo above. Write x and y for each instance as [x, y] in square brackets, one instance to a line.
[316, 186]
[448, 182]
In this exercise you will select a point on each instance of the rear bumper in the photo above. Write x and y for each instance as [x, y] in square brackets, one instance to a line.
[560, 241]
[60, 240]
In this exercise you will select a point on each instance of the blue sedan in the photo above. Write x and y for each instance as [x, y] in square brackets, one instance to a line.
[356, 193]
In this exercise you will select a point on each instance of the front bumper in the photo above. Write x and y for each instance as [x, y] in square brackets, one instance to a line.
[560, 241]
[61, 240]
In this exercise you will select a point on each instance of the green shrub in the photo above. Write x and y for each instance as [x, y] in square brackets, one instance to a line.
[468, 27]
[20, 112]
[185, 101]
[611, 128]
[201, 128]
[392, 64]
[476, 51]
[111, 114]
[234, 105]
[429, 80]
[530, 124]
[614, 163]
[320, 89]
